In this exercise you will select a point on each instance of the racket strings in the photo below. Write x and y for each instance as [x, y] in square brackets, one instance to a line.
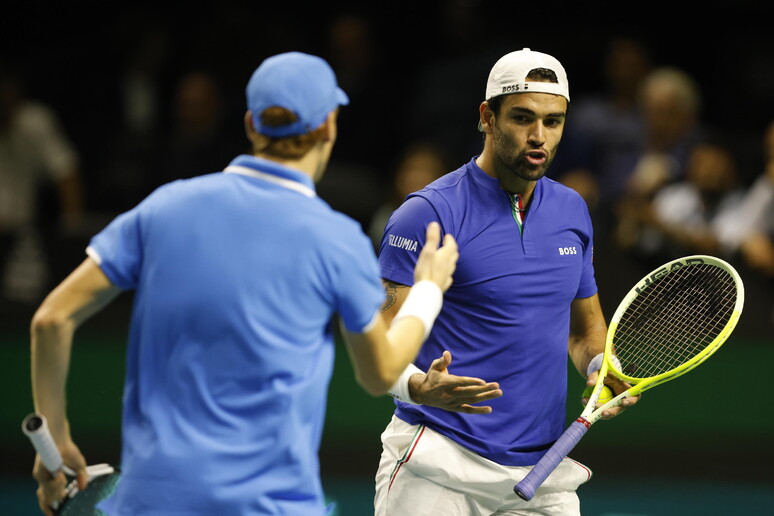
[663, 311]
[84, 503]
[674, 303]
[674, 319]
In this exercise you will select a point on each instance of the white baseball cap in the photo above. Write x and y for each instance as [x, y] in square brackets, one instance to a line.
[509, 75]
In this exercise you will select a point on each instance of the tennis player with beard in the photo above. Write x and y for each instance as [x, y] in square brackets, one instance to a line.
[523, 289]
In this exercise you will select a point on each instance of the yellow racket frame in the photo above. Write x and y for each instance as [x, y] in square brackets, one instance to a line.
[640, 385]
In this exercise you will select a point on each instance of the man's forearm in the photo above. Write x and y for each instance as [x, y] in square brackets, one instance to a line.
[51, 343]
[84, 292]
[584, 348]
[588, 332]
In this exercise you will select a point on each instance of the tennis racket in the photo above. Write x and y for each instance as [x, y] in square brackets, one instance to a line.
[103, 478]
[670, 322]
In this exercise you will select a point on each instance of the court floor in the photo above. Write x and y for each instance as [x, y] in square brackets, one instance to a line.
[605, 497]
[601, 497]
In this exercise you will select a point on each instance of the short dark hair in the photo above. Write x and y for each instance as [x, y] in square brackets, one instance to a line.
[288, 147]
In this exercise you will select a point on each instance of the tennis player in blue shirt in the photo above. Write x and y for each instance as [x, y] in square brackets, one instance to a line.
[524, 288]
[238, 276]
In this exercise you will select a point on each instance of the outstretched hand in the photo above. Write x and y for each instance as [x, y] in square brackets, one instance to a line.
[439, 388]
[437, 264]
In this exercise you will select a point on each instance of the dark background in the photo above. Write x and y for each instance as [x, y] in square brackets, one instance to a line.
[704, 441]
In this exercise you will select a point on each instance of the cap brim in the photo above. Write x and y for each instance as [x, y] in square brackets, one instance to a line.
[341, 97]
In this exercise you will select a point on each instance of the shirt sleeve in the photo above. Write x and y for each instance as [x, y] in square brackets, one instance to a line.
[361, 293]
[404, 236]
[118, 249]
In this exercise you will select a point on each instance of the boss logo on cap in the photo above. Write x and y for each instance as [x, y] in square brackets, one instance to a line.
[515, 87]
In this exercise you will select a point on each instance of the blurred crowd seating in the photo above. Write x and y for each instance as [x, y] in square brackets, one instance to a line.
[671, 157]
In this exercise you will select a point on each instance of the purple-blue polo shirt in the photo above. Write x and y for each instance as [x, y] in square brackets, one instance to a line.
[506, 317]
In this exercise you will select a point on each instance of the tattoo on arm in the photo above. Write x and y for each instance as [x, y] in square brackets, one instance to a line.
[391, 289]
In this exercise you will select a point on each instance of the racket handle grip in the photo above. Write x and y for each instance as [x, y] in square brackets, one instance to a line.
[36, 428]
[555, 455]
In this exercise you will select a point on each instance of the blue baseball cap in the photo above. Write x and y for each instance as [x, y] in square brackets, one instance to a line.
[301, 83]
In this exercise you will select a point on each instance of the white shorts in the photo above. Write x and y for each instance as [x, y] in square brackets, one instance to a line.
[422, 473]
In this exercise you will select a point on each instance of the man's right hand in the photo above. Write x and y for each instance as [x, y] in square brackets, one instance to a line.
[437, 264]
[439, 388]
[51, 487]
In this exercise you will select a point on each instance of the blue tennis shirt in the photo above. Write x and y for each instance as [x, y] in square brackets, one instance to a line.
[238, 276]
[506, 316]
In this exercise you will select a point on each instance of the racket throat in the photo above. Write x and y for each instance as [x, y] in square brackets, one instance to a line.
[585, 422]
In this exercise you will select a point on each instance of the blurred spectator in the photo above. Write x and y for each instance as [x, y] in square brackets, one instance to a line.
[687, 216]
[35, 155]
[751, 233]
[356, 174]
[198, 142]
[607, 124]
[650, 147]
[671, 106]
[353, 51]
[448, 77]
[138, 100]
[420, 165]
[141, 78]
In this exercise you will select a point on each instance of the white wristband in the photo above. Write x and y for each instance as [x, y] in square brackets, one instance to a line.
[400, 390]
[424, 302]
[596, 363]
